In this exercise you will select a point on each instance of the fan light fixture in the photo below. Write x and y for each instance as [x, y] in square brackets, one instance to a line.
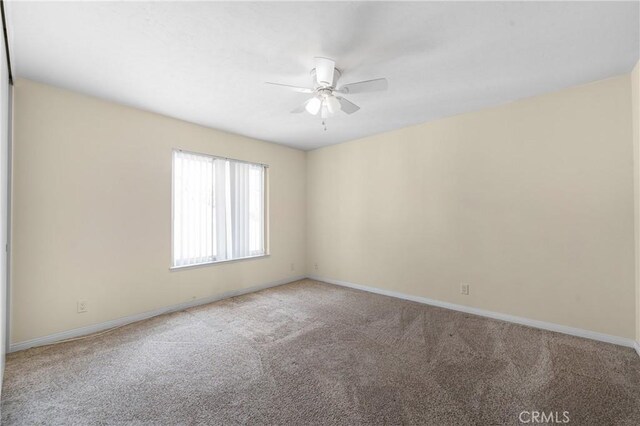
[313, 105]
[333, 105]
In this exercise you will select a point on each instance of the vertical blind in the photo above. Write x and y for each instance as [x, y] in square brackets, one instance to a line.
[218, 209]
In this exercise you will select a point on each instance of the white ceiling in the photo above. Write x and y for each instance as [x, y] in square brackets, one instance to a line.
[207, 62]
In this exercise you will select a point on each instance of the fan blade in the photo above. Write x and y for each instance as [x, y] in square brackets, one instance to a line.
[324, 71]
[376, 85]
[347, 106]
[294, 88]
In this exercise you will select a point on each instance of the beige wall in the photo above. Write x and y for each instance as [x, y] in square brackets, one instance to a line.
[92, 209]
[531, 203]
[635, 114]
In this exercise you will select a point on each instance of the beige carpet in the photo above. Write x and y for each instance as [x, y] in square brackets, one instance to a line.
[312, 353]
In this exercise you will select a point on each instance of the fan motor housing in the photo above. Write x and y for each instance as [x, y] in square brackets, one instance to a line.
[336, 77]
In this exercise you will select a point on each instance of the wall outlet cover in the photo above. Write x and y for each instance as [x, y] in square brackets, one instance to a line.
[464, 289]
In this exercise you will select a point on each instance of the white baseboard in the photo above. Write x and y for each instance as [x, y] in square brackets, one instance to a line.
[90, 329]
[616, 340]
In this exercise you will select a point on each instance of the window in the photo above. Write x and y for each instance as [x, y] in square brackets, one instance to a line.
[218, 209]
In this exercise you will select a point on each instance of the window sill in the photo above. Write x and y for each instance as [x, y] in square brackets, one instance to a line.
[216, 262]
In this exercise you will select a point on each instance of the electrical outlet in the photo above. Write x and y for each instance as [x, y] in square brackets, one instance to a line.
[315, 265]
[464, 289]
[293, 266]
[83, 306]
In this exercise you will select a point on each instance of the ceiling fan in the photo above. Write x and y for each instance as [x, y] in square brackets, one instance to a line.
[327, 99]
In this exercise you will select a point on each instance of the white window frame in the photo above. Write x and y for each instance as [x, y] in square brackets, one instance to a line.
[265, 227]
